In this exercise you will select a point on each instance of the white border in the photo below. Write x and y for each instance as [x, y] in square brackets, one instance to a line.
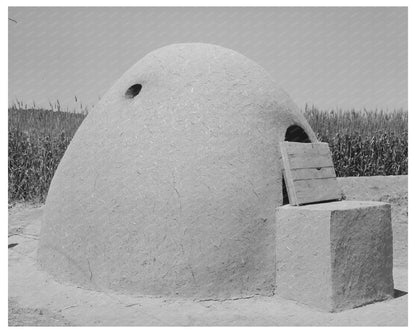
[213, 3]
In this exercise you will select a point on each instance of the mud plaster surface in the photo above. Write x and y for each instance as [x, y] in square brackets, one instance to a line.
[335, 256]
[174, 192]
[36, 299]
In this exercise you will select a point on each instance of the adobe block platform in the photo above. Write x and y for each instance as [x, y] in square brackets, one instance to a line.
[335, 256]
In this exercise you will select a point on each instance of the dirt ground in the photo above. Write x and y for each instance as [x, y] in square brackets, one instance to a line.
[35, 299]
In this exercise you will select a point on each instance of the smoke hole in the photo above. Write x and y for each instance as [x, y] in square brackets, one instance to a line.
[133, 91]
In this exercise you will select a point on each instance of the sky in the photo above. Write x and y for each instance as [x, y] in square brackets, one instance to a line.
[333, 58]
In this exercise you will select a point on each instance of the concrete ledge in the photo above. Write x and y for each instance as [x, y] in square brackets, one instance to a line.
[335, 256]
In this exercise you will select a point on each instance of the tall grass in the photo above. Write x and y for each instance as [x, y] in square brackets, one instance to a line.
[363, 143]
[37, 142]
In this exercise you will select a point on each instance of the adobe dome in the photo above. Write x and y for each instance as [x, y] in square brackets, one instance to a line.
[170, 185]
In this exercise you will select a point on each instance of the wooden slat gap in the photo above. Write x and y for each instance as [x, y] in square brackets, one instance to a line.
[315, 178]
[318, 168]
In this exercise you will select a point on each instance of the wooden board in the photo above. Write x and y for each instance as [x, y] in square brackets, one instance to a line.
[309, 173]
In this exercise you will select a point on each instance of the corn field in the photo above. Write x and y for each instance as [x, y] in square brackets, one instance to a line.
[365, 143]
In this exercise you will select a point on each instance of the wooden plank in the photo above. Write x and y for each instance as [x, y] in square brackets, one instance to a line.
[310, 162]
[288, 176]
[317, 148]
[309, 173]
[317, 190]
[313, 173]
[312, 155]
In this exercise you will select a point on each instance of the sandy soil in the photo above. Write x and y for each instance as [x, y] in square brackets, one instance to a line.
[35, 299]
